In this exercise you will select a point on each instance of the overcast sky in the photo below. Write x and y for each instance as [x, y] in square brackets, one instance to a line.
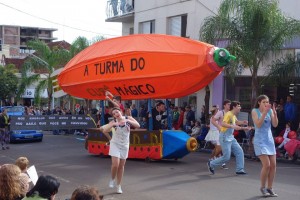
[67, 16]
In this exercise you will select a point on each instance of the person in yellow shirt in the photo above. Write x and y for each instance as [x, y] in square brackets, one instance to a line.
[228, 142]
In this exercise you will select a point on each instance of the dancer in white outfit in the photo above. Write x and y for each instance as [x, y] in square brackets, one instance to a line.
[119, 144]
[213, 135]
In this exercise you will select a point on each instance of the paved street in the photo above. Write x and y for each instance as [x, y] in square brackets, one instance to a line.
[187, 179]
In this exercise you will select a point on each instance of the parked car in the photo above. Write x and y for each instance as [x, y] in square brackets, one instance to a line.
[22, 135]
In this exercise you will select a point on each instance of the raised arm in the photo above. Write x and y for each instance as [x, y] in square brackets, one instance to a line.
[235, 127]
[105, 129]
[133, 122]
[274, 117]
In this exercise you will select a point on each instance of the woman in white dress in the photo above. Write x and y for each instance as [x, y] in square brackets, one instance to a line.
[213, 135]
[119, 144]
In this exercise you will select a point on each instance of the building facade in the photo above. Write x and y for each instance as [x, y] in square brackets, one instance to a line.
[13, 39]
[13, 50]
[184, 18]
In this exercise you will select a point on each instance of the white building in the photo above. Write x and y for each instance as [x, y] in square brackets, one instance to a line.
[184, 18]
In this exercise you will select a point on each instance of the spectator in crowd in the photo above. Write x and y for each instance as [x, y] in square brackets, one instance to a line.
[281, 120]
[228, 142]
[286, 138]
[119, 144]
[127, 111]
[98, 116]
[158, 115]
[202, 115]
[143, 112]
[189, 117]
[134, 111]
[37, 111]
[81, 110]
[46, 187]
[175, 117]
[144, 123]
[56, 111]
[10, 185]
[23, 164]
[196, 130]
[203, 133]
[4, 123]
[86, 192]
[263, 116]
[107, 115]
[290, 112]
[180, 119]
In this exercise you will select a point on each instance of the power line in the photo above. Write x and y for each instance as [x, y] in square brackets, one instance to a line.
[71, 27]
[199, 1]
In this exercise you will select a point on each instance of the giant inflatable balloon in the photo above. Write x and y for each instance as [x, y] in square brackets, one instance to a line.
[143, 66]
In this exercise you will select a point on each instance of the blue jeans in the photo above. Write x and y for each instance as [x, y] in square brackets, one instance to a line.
[228, 144]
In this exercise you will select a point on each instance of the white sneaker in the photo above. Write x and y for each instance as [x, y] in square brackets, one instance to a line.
[111, 183]
[119, 189]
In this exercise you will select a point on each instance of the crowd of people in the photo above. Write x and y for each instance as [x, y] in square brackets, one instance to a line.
[15, 184]
[223, 123]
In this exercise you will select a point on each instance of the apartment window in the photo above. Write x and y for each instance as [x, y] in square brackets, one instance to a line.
[147, 27]
[177, 25]
[243, 94]
[131, 31]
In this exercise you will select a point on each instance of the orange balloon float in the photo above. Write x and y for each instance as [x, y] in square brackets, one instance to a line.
[143, 66]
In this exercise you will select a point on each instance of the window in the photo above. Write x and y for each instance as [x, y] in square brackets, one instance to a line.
[147, 27]
[131, 31]
[177, 25]
[0, 45]
[243, 94]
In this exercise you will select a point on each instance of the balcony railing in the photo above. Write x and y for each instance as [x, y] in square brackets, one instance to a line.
[115, 8]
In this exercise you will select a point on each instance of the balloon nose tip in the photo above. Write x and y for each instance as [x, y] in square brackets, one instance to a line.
[222, 57]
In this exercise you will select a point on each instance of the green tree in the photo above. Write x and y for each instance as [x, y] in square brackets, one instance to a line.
[9, 82]
[79, 44]
[39, 66]
[253, 29]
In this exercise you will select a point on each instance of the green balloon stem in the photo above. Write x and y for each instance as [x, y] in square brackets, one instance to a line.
[222, 57]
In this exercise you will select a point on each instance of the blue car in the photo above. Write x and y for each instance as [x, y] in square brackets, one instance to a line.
[22, 135]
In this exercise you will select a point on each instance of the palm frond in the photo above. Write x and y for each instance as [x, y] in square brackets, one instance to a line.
[283, 71]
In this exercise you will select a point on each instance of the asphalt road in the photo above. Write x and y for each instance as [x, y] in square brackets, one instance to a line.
[65, 158]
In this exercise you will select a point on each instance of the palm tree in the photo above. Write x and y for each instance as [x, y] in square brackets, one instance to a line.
[253, 30]
[39, 66]
[283, 71]
[79, 44]
[9, 82]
